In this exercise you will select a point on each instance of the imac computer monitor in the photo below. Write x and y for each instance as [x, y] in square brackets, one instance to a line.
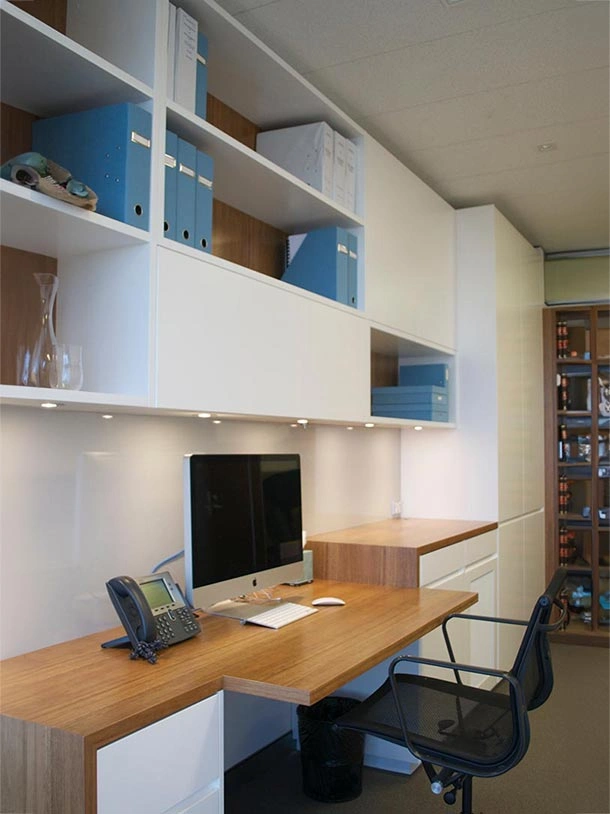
[242, 527]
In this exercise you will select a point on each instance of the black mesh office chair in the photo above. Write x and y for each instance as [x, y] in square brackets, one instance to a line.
[457, 731]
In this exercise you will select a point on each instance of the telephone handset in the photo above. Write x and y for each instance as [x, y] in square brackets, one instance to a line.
[151, 609]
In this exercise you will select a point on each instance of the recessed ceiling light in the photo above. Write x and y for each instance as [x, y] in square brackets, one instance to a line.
[48, 405]
[204, 415]
[547, 147]
[418, 428]
[369, 425]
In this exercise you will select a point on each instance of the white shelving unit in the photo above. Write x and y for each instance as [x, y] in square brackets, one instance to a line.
[164, 327]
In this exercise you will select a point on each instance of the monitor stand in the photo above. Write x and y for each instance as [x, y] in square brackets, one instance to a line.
[242, 610]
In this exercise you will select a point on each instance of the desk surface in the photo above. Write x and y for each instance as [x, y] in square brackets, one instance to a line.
[102, 695]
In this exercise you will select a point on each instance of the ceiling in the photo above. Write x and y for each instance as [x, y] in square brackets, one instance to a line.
[464, 93]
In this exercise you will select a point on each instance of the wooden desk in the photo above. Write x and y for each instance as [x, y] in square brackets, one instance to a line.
[388, 552]
[61, 703]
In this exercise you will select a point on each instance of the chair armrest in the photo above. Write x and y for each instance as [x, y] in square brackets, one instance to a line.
[476, 618]
[452, 665]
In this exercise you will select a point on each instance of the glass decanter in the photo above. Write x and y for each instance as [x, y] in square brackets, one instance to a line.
[44, 348]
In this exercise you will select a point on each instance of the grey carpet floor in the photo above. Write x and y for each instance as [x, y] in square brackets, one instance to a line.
[565, 771]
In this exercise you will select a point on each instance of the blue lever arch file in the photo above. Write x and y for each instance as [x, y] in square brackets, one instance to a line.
[203, 202]
[318, 261]
[352, 270]
[185, 198]
[201, 79]
[171, 185]
[108, 148]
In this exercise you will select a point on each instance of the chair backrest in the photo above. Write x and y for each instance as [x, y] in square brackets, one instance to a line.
[533, 667]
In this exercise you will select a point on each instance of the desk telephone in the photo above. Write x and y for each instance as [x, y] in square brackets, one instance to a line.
[153, 613]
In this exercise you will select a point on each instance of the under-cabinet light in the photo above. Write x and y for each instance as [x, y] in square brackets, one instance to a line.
[204, 415]
[302, 421]
[49, 405]
[107, 416]
[217, 421]
[418, 428]
[349, 428]
[369, 425]
[294, 425]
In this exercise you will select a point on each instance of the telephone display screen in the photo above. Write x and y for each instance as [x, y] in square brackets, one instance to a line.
[156, 593]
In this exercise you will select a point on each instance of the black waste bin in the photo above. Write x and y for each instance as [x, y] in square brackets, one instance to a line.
[331, 758]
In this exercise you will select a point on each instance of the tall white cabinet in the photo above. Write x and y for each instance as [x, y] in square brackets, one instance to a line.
[492, 466]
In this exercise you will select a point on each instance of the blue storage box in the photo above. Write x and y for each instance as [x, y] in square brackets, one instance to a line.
[411, 395]
[436, 375]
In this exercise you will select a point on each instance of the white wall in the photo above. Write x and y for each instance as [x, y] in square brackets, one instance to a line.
[83, 499]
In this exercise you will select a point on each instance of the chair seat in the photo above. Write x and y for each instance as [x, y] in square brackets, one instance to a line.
[474, 725]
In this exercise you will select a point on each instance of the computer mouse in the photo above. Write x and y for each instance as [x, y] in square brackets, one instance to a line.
[327, 600]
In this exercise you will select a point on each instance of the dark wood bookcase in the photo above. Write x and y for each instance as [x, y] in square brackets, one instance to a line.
[577, 443]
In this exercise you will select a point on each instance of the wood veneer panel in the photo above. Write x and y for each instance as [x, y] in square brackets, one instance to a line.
[384, 370]
[51, 12]
[15, 131]
[231, 122]
[371, 564]
[19, 305]
[242, 239]
[42, 770]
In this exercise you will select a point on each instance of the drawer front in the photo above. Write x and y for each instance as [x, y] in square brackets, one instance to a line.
[149, 771]
[484, 545]
[441, 563]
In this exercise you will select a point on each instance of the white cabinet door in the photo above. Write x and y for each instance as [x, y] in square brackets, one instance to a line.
[172, 760]
[208, 802]
[481, 578]
[227, 342]
[409, 251]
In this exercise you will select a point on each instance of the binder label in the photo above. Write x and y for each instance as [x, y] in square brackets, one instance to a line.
[341, 248]
[186, 170]
[137, 138]
[170, 161]
[204, 181]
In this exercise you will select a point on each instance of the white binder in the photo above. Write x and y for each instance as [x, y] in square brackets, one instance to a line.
[171, 50]
[305, 150]
[339, 169]
[185, 78]
[350, 175]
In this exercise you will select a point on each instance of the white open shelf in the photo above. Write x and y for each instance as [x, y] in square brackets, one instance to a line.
[46, 73]
[250, 78]
[38, 223]
[81, 399]
[251, 183]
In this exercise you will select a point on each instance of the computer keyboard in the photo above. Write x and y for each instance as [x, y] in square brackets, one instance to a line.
[282, 615]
